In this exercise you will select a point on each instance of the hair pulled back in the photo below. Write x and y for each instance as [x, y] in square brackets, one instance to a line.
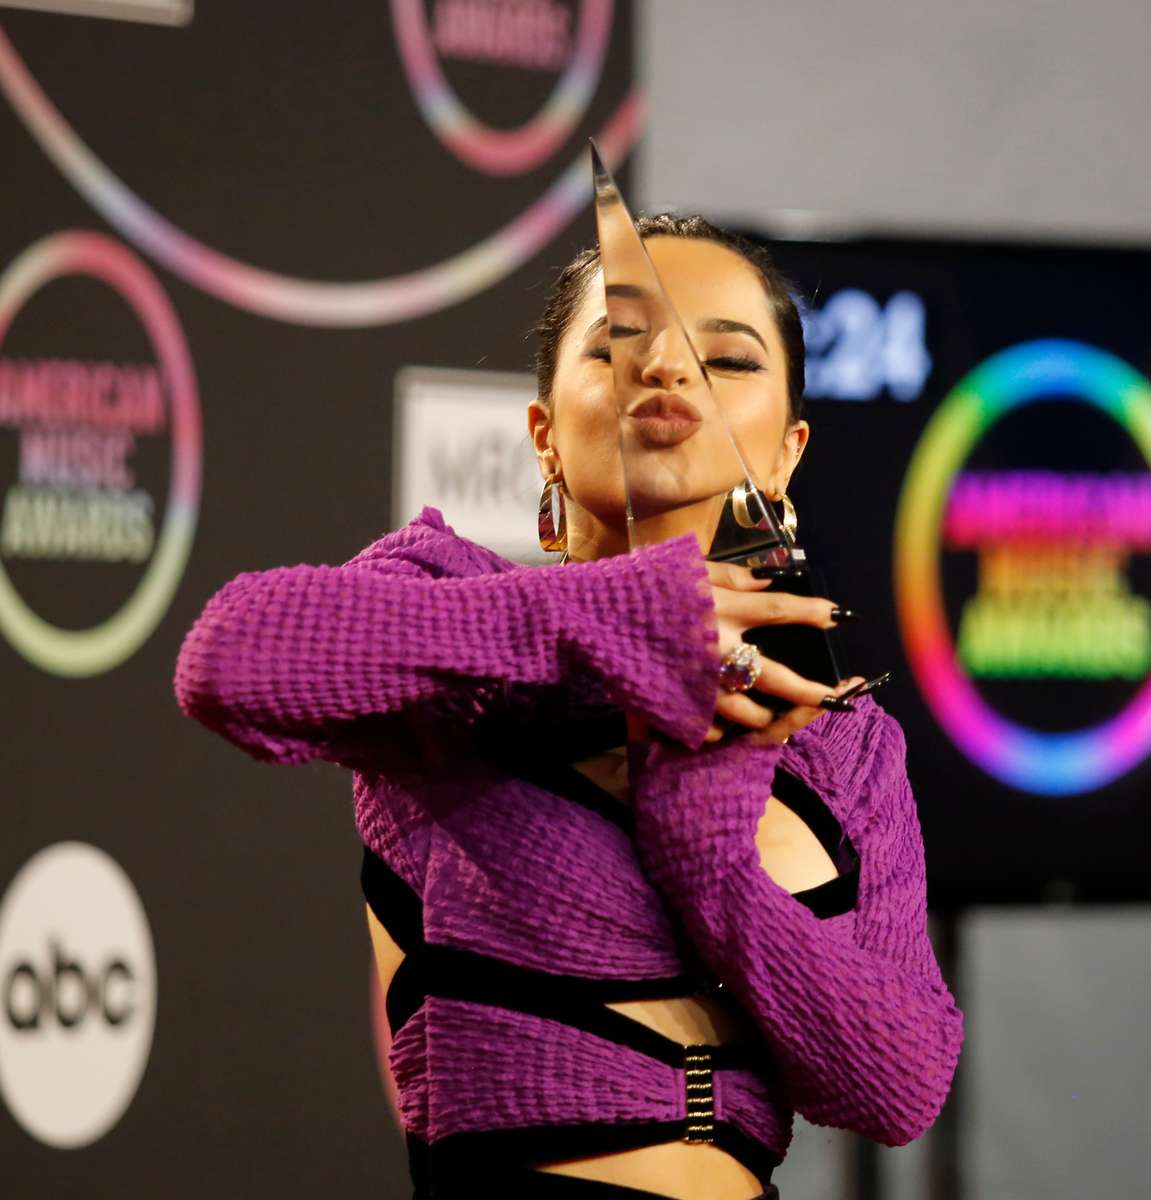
[571, 283]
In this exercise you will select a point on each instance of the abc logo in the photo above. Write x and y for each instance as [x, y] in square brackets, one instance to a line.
[65, 992]
[77, 994]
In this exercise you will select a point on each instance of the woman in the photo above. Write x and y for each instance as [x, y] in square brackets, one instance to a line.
[601, 985]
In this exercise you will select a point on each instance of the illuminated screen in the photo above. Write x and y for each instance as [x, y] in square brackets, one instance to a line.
[978, 486]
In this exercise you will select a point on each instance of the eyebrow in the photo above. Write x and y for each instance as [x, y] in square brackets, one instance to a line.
[723, 325]
[631, 291]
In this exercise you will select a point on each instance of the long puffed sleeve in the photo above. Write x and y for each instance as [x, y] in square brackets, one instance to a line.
[293, 663]
[865, 1031]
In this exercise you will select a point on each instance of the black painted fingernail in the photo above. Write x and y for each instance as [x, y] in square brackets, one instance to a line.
[835, 704]
[869, 685]
[763, 572]
[844, 614]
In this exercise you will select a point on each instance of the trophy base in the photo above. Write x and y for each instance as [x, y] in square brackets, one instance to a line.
[808, 651]
[813, 653]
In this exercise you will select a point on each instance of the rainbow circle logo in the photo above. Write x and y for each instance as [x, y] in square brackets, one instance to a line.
[86, 652]
[502, 151]
[1044, 763]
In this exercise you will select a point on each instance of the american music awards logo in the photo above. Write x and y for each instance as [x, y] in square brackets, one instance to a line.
[530, 34]
[1050, 598]
[91, 548]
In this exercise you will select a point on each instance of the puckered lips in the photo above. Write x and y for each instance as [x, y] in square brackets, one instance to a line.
[665, 419]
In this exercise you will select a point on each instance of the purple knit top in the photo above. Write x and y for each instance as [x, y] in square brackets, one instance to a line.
[399, 663]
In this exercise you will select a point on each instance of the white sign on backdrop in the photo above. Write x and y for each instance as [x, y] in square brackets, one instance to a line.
[461, 444]
[154, 12]
[77, 994]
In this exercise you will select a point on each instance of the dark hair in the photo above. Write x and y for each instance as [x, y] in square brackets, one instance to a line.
[569, 287]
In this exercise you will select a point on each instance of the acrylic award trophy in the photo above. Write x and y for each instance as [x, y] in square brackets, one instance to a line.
[683, 467]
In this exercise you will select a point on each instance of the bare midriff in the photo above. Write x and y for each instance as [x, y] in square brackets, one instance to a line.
[680, 1170]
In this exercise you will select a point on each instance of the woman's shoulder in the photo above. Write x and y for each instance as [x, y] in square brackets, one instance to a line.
[428, 546]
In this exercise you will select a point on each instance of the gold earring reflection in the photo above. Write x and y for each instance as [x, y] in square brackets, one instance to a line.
[552, 520]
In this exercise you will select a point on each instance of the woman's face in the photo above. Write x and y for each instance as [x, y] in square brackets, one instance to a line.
[673, 428]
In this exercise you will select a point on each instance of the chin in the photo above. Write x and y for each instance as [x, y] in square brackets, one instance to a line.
[658, 487]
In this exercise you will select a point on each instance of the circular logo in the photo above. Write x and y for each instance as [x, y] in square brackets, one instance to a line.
[1046, 528]
[532, 31]
[77, 994]
[78, 422]
[354, 303]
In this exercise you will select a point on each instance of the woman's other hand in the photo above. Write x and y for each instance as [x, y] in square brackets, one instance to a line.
[742, 602]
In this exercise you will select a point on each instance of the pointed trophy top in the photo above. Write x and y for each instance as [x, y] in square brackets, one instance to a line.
[672, 479]
[604, 185]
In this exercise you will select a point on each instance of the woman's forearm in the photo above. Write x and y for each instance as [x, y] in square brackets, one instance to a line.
[865, 1031]
[284, 661]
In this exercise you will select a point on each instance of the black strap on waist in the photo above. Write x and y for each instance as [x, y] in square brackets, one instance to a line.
[579, 1001]
[451, 973]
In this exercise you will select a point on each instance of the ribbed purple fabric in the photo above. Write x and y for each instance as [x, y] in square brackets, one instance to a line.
[388, 663]
[756, 1106]
[865, 1031]
[491, 1066]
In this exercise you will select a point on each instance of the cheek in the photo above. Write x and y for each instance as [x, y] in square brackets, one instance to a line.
[759, 421]
[586, 425]
[586, 410]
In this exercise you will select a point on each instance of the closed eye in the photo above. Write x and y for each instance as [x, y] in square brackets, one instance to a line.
[723, 362]
[734, 362]
[616, 331]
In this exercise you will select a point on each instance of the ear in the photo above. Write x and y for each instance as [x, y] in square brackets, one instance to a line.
[540, 429]
[794, 444]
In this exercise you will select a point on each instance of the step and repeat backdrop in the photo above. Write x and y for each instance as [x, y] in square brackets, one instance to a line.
[267, 273]
[245, 250]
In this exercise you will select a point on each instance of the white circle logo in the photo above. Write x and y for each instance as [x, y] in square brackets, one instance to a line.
[77, 994]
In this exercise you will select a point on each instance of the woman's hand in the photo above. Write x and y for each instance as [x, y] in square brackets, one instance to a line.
[741, 603]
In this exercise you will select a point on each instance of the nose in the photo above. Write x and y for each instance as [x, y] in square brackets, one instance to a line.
[667, 362]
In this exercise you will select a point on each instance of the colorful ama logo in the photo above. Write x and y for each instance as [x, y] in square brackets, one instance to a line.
[79, 424]
[1053, 600]
[534, 35]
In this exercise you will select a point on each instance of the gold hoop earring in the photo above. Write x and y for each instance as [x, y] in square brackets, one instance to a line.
[739, 507]
[552, 522]
[790, 521]
[748, 506]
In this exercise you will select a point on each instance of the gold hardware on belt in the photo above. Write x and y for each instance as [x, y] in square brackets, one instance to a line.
[698, 1083]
